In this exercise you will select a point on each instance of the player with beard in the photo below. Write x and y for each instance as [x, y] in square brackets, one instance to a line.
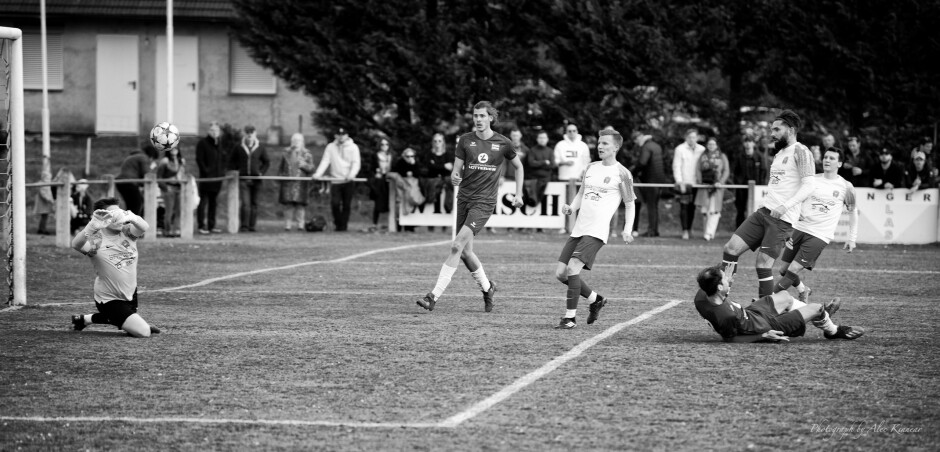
[478, 160]
[791, 182]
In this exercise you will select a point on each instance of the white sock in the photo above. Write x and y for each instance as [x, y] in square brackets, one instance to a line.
[826, 324]
[570, 313]
[801, 287]
[593, 297]
[87, 319]
[443, 280]
[481, 279]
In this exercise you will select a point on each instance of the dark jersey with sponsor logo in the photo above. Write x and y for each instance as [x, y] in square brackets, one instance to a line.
[482, 160]
[730, 319]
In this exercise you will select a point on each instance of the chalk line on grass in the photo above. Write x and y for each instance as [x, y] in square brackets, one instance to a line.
[451, 422]
[301, 264]
[533, 376]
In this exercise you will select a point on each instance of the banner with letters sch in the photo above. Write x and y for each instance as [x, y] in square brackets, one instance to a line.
[547, 214]
[898, 216]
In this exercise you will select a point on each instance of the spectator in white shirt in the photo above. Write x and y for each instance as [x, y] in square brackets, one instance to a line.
[683, 169]
[572, 157]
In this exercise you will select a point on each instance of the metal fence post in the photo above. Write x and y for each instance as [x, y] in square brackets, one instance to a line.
[750, 197]
[392, 208]
[232, 201]
[187, 187]
[150, 205]
[109, 191]
[63, 213]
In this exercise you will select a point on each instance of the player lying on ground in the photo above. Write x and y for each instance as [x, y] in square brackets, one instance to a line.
[603, 185]
[775, 317]
[110, 241]
[477, 166]
[819, 216]
[791, 182]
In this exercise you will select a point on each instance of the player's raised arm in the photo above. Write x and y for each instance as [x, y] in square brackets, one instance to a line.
[852, 208]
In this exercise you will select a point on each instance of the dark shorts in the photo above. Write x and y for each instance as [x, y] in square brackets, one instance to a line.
[764, 231]
[118, 311]
[582, 248]
[803, 247]
[791, 323]
[473, 215]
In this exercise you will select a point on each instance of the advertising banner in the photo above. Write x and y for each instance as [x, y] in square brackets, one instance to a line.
[547, 214]
[888, 216]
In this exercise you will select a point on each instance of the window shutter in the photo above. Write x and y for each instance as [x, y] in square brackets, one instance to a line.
[246, 76]
[32, 60]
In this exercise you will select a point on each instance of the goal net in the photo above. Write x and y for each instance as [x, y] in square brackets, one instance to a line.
[12, 167]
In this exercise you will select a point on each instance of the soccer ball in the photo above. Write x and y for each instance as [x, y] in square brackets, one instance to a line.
[164, 136]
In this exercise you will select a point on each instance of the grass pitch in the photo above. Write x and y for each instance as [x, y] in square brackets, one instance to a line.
[317, 343]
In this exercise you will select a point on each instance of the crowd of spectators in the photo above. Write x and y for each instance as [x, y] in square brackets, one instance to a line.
[421, 173]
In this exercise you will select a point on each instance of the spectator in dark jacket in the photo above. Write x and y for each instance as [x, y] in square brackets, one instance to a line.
[435, 169]
[650, 169]
[747, 165]
[888, 174]
[211, 161]
[857, 166]
[249, 159]
[82, 206]
[540, 165]
[919, 172]
[135, 166]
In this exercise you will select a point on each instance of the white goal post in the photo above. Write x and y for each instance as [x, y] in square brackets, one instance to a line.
[14, 215]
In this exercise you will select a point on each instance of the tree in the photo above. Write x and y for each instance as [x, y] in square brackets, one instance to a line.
[398, 68]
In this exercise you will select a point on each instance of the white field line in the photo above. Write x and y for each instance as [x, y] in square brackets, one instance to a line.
[451, 422]
[551, 264]
[11, 308]
[531, 377]
[302, 264]
[405, 295]
[199, 420]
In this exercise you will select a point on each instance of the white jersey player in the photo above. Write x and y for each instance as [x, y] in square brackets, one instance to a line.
[816, 227]
[791, 182]
[603, 186]
[110, 241]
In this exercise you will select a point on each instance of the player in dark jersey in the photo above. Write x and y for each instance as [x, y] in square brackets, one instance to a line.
[478, 160]
[775, 317]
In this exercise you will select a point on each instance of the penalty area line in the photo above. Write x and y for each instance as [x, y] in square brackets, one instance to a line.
[533, 376]
[301, 264]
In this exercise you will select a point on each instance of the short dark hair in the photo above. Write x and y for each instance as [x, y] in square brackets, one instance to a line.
[709, 279]
[618, 138]
[249, 129]
[490, 109]
[838, 151]
[854, 138]
[104, 203]
[790, 118]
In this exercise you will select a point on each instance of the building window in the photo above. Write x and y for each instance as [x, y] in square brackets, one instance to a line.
[246, 76]
[32, 59]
